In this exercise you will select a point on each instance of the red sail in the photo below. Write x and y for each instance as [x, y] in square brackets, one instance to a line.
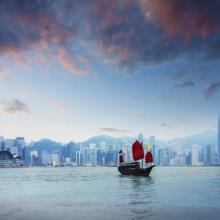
[137, 151]
[148, 157]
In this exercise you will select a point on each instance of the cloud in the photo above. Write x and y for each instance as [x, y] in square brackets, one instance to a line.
[163, 124]
[147, 32]
[60, 104]
[167, 125]
[115, 130]
[177, 76]
[127, 32]
[14, 106]
[187, 84]
[211, 89]
[166, 98]
[185, 18]
[29, 92]
[69, 63]
[142, 116]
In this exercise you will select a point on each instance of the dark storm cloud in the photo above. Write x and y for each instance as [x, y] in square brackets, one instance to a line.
[132, 33]
[150, 32]
[211, 89]
[14, 106]
[28, 25]
[186, 18]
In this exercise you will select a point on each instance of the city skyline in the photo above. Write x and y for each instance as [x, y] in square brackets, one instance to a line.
[102, 152]
[73, 70]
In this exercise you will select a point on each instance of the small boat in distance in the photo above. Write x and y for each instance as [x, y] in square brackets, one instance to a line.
[134, 168]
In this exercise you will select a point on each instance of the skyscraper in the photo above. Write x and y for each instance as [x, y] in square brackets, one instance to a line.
[219, 139]
[1, 143]
[19, 144]
[195, 154]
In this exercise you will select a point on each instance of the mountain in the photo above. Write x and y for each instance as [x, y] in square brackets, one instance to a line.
[116, 141]
[47, 145]
[105, 138]
[207, 137]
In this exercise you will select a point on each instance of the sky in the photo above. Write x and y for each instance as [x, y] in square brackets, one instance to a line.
[70, 70]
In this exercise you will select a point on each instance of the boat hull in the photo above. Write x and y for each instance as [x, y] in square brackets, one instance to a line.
[129, 169]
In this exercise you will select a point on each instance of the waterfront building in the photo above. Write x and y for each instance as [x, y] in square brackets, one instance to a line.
[101, 157]
[174, 162]
[1, 143]
[44, 157]
[14, 150]
[26, 157]
[6, 159]
[71, 151]
[54, 159]
[152, 140]
[8, 144]
[50, 158]
[182, 160]
[112, 158]
[84, 154]
[19, 144]
[110, 147]
[92, 156]
[219, 139]
[78, 158]
[163, 157]
[188, 157]
[196, 151]
[103, 145]
[35, 159]
[125, 153]
[209, 154]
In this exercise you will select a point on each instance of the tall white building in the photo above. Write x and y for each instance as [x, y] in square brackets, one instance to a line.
[195, 155]
[20, 144]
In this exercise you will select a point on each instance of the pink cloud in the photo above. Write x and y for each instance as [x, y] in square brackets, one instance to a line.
[70, 63]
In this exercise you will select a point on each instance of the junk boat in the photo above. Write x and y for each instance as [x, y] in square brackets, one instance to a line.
[134, 168]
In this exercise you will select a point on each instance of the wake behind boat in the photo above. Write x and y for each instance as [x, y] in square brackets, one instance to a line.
[134, 168]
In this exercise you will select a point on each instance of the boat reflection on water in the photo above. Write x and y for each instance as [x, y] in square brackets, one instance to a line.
[141, 197]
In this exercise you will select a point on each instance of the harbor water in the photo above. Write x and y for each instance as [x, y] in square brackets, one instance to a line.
[102, 193]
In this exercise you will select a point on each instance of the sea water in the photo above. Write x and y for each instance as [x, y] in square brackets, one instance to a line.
[102, 193]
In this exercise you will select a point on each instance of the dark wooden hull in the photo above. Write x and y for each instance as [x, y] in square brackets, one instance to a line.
[129, 169]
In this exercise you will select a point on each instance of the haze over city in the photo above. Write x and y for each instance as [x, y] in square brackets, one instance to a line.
[74, 69]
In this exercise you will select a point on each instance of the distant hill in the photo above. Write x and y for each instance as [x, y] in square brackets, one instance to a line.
[47, 145]
[110, 140]
[207, 137]
[100, 138]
